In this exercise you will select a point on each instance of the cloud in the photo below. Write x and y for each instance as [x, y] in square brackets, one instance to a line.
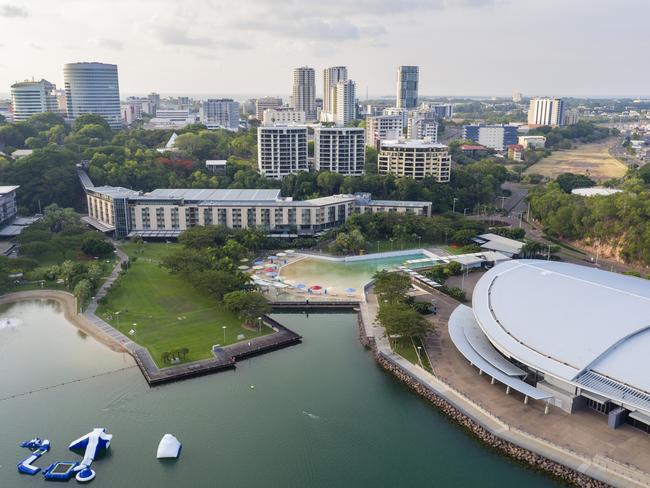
[113, 44]
[13, 12]
[174, 36]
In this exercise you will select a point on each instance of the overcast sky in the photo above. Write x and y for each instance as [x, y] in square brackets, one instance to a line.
[463, 47]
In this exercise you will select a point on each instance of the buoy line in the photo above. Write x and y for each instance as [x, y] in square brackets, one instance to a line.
[52, 387]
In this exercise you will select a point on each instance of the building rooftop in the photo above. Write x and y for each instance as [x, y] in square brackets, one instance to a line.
[579, 324]
[214, 195]
[412, 143]
[594, 191]
[8, 189]
[468, 147]
[499, 243]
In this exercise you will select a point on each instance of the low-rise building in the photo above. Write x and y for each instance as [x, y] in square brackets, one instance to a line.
[414, 159]
[166, 213]
[283, 116]
[217, 166]
[265, 103]
[473, 151]
[340, 150]
[497, 136]
[516, 152]
[420, 127]
[532, 142]
[8, 207]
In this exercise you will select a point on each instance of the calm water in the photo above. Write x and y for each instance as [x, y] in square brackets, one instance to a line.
[321, 415]
[341, 275]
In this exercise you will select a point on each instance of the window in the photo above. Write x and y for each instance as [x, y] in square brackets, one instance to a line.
[175, 219]
[160, 218]
[207, 216]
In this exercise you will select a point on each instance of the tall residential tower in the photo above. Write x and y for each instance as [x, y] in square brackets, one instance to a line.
[407, 86]
[33, 97]
[304, 91]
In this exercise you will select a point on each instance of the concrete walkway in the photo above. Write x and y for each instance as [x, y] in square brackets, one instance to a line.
[596, 466]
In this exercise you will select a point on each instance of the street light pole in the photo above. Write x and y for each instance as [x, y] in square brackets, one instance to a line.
[453, 206]
[224, 334]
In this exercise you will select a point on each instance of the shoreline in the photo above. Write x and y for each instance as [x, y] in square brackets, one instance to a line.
[67, 302]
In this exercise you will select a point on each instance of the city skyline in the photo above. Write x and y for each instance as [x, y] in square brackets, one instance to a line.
[206, 48]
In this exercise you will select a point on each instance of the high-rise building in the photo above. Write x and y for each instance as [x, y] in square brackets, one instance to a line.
[264, 103]
[281, 150]
[400, 112]
[154, 102]
[340, 150]
[304, 91]
[420, 127]
[346, 107]
[517, 97]
[93, 88]
[407, 86]
[221, 113]
[331, 77]
[383, 127]
[546, 111]
[33, 97]
[414, 159]
[570, 117]
[497, 136]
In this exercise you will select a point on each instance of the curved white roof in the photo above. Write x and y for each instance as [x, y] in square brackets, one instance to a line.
[570, 321]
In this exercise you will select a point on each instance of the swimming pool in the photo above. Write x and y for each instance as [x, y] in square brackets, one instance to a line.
[341, 275]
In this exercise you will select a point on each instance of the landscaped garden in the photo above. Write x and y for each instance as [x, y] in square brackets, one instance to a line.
[169, 316]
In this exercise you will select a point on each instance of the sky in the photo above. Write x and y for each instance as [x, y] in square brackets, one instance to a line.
[249, 47]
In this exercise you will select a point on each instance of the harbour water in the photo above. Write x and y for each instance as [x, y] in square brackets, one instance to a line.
[320, 414]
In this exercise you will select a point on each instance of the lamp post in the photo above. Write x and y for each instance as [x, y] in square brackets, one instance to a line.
[465, 212]
[224, 334]
[453, 206]
[419, 356]
[117, 314]
[259, 324]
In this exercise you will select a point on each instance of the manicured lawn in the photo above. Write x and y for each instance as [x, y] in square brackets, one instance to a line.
[168, 313]
[406, 348]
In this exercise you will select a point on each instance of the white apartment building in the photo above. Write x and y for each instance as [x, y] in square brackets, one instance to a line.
[281, 150]
[532, 142]
[420, 127]
[383, 127]
[222, 113]
[131, 111]
[33, 97]
[340, 150]
[346, 106]
[303, 96]
[331, 77]
[283, 116]
[398, 112]
[546, 111]
[264, 103]
[416, 159]
[167, 118]
[8, 207]
[93, 88]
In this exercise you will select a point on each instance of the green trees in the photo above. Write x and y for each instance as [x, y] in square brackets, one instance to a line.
[391, 287]
[569, 181]
[401, 319]
[93, 245]
[248, 305]
[348, 242]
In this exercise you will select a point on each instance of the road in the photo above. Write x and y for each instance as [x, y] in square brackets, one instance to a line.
[515, 214]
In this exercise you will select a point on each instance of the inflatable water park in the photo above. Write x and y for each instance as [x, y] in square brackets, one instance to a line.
[93, 444]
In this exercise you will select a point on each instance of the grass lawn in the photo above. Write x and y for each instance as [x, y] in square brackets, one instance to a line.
[385, 245]
[592, 159]
[406, 348]
[166, 312]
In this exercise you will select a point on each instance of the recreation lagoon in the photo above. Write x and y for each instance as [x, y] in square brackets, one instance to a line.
[321, 414]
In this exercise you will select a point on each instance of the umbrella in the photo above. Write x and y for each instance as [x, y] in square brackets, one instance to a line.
[316, 287]
[300, 285]
[258, 262]
[350, 290]
[271, 273]
[243, 267]
[269, 270]
[271, 258]
[290, 251]
[258, 267]
[243, 260]
[282, 254]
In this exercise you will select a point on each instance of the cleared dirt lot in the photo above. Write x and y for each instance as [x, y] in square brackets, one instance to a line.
[593, 160]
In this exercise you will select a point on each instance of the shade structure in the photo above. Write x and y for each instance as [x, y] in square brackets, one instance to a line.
[271, 274]
[301, 286]
[243, 267]
[316, 287]
[350, 290]
[258, 267]
[271, 258]
[277, 284]
[290, 251]
[269, 270]
[282, 254]
[258, 261]
[243, 260]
